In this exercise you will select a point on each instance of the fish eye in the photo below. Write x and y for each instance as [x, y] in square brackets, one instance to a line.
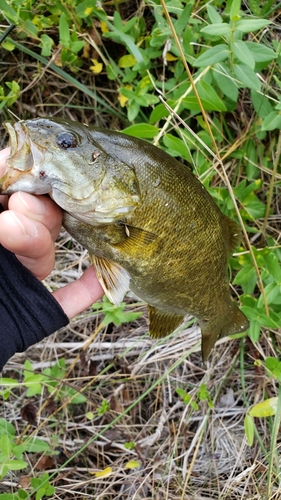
[66, 140]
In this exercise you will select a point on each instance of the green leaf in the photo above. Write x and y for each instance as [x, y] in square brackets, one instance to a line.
[254, 330]
[243, 54]
[249, 429]
[247, 76]
[9, 11]
[143, 130]
[260, 52]
[127, 61]
[34, 445]
[158, 113]
[46, 45]
[248, 25]
[225, 81]
[235, 10]
[213, 14]
[266, 408]
[261, 104]
[183, 20]
[85, 9]
[64, 31]
[211, 56]
[218, 29]
[272, 121]
[30, 27]
[209, 95]
[273, 267]
[176, 146]
[247, 277]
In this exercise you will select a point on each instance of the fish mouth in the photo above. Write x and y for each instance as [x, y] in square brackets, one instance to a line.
[24, 155]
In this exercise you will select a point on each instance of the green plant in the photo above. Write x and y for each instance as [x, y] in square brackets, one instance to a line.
[12, 452]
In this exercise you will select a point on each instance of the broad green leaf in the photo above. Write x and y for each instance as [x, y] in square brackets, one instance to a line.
[272, 121]
[225, 81]
[267, 321]
[247, 76]
[7, 428]
[266, 408]
[182, 21]
[254, 330]
[46, 45]
[85, 9]
[143, 130]
[255, 208]
[64, 31]
[273, 266]
[209, 95]
[158, 113]
[76, 46]
[243, 54]
[260, 52]
[211, 56]
[249, 429]
[248, 25]
[127, 61]
[213, 14]
[9, 11]
[16, 464]
[235, 10]
[217, 29]
[177, 145]
[247, 277]
[261, 104]
[34, 445]
[30, 27]
[273, 293]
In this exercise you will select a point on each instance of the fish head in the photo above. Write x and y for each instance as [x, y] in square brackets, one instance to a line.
[60, 158]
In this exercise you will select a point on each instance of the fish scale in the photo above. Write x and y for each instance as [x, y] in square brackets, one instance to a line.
[147, 221]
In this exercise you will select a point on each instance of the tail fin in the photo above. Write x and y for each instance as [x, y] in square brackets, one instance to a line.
[235, 322]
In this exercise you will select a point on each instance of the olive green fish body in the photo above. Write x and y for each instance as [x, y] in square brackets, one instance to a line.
[148, 223]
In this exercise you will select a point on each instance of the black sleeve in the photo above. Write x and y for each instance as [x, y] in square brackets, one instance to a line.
[28, 311]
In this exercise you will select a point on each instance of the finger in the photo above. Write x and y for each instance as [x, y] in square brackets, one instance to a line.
[3, 156]
[38, 208]
[77, 296]
[29, 240]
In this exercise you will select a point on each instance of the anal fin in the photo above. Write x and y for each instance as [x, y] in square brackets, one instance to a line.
[162, 324]
[113, 278]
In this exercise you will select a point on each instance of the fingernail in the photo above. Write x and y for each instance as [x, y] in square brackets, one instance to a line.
[32, 203]
[27, 227]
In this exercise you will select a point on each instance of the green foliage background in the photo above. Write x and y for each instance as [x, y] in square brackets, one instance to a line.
[202, 81]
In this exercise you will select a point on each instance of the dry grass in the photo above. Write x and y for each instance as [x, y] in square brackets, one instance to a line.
[183, 452]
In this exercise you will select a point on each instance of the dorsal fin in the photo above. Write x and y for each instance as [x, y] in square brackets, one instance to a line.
[232, 234]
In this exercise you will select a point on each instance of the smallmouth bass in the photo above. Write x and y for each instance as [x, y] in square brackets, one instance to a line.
[147, 221]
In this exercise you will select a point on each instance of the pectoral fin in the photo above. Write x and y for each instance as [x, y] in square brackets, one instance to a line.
[162, 324]
[135, 239]
[113, 278]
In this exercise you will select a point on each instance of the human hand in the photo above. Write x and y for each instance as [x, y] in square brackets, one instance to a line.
[29, 228]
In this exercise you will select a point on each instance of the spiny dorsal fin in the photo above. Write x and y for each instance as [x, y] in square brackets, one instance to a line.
[135, 239]
[113, 278]
[162, 324]
[232, 233]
